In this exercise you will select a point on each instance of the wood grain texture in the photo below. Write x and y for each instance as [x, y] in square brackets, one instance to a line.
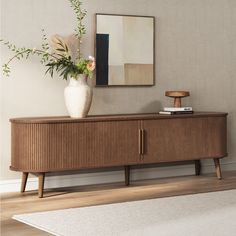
[67, 146]
[218, 168]
[184, 139]
[41, 178]
[58, 144]
[120, 117]
[177, 95]
[127, 175]
[16, 203]
[24, 181]
[197, 167]
[41, 145]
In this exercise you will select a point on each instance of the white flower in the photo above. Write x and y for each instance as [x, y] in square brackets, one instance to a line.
[91, 58]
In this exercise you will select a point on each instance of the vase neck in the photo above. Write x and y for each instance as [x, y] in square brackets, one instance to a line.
[80, 79]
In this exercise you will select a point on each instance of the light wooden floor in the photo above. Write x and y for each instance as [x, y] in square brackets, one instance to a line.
[16, 203]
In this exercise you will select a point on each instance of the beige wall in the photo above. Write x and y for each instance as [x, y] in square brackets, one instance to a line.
[195, 51]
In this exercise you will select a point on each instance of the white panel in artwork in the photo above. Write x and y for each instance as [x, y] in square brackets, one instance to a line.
[114, 27]
[138, 40]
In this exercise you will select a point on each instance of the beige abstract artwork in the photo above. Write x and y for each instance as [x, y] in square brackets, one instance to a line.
[124, 50]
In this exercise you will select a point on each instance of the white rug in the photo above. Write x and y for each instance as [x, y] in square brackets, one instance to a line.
[210, 214]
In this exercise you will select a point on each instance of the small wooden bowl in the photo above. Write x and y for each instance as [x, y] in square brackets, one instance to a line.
[177, 95]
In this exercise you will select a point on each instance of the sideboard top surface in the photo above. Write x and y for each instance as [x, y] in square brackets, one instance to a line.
[95, 118]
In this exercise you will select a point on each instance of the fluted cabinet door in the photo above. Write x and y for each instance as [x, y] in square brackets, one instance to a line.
[66, 146]
[184, 139]
[112, 143]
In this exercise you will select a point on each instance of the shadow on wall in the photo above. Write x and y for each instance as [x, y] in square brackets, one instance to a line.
[151, 107]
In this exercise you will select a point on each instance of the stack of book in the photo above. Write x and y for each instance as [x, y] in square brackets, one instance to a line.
[176, 110]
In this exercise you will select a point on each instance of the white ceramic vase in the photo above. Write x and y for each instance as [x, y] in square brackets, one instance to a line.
[78, 97]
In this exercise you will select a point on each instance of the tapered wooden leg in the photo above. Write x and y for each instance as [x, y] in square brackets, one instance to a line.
[41, 178]
[197, 167]
[127, 175]
[218, 169]
[24, 181]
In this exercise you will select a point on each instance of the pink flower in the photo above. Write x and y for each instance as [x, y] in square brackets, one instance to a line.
[91, 65]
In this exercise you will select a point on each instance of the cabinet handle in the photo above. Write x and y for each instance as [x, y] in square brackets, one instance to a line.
[143, 141]
[140, 141]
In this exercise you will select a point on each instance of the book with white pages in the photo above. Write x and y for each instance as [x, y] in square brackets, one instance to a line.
[175, 112]
[178, 108]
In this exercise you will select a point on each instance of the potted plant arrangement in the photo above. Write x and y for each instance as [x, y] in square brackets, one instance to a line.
[63, 55]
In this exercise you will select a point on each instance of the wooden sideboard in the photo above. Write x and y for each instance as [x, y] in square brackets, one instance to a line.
[50, 144]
